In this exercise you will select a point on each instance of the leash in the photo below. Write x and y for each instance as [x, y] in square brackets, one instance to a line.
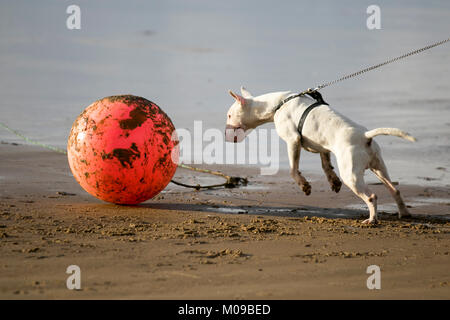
[310, 91]
[380, 65]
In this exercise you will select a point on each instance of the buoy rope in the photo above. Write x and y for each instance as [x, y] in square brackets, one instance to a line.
[43, 145]
[231, 182]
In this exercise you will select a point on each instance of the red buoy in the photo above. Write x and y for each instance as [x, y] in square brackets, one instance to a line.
[121, 150]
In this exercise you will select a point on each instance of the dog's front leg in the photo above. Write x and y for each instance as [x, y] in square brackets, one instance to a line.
[294, 148]
[333, 179]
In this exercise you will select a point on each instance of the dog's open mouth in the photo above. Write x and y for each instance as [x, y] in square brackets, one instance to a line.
[235, 134]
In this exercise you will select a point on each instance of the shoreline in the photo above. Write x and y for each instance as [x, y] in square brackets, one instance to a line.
[266, 240]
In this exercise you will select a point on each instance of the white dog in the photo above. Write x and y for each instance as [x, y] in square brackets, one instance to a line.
[324, 131]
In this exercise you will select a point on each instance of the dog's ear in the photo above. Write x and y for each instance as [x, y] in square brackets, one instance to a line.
[245, 93]
[238, 98]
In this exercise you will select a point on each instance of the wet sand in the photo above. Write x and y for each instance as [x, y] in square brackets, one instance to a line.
[263, 241]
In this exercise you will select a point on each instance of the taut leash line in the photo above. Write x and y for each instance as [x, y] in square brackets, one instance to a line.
[314, 91]
[379, 65]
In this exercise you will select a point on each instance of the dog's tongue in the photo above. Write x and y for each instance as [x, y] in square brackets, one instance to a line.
[234, 135]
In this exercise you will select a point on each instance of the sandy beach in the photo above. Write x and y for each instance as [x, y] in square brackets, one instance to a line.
[263, 241]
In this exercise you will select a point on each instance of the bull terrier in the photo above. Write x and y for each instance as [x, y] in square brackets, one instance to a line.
[325, 130]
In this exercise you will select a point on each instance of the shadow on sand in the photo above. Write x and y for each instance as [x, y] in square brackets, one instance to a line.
[289, 212]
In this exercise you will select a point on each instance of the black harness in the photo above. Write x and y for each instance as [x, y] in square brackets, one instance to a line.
[313, 94]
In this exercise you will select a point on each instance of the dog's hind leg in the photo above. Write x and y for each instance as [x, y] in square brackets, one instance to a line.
[359, 187]
[379, 168]
[333, 179]
[294, 148]
[351, 168]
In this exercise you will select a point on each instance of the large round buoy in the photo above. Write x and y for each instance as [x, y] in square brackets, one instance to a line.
[121, 149]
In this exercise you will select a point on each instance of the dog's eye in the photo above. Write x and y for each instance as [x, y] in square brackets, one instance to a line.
[229, 116]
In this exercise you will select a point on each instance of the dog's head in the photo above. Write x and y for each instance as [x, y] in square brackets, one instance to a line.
[239, 122]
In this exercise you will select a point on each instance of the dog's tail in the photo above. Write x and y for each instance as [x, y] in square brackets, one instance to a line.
[389, 132]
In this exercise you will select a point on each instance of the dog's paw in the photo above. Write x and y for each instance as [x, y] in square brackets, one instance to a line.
[372, 222]
[404, 214]
[306, 188]
[336, 185]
